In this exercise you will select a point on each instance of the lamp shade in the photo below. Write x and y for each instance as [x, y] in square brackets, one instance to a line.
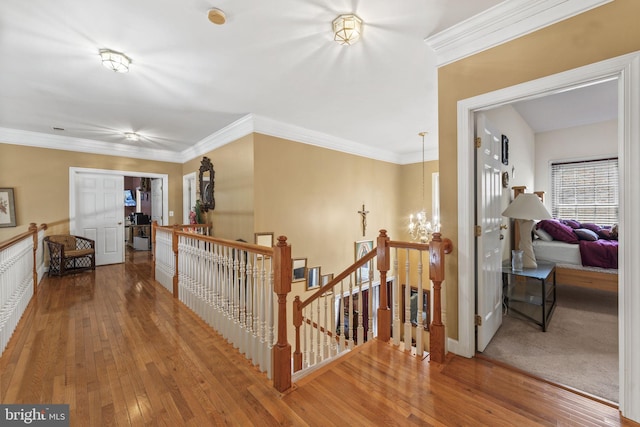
[527, 206]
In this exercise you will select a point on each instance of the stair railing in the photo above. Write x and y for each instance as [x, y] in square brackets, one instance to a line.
[21, 269]
[329, 322]
[237, 288]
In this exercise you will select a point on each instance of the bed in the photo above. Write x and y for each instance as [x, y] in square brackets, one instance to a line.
[590, 262]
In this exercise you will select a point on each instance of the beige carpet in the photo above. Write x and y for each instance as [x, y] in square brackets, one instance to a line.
[579, 349]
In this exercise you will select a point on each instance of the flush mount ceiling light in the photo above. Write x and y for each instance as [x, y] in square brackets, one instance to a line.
[132, 136]
[347, 29]
[115, 61]
[217, 16]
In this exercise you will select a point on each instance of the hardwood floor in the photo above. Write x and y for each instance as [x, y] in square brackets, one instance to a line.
[121, 351]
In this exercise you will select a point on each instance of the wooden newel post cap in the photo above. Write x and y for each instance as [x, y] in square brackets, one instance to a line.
[282, 241]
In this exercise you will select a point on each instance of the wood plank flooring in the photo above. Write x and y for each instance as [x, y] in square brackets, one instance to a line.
[120, 350]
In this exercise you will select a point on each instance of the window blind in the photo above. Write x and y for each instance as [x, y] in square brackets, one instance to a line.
[586, 191]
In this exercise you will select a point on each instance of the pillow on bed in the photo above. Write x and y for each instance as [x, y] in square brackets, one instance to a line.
[591, 226]
[543, 235]
[571, 223]
[586, 234]
[558, 230]
[604, 233]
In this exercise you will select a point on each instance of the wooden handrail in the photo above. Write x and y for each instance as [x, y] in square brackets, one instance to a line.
[437, 248]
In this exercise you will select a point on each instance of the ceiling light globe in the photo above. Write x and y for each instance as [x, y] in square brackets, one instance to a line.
[347, 29]
[132, 136]
[115, 61]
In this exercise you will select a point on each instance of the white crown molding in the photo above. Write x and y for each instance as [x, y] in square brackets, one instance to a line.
[242, 127]
[58, 142]
[236, 130]
[504, 22]
[278, 129]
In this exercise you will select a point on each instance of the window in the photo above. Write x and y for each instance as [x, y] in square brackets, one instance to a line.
[586, 191]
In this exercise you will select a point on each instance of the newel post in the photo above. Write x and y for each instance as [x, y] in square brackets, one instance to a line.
[282, 286]
[154, 224]
[33, 228]
[174, 246]
[383, 262]
[297, 322]
[436, 274]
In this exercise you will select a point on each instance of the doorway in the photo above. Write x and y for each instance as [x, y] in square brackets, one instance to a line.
[627, 70]
[76, 216]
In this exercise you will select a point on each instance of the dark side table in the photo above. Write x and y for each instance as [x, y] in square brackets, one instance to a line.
[534, 299]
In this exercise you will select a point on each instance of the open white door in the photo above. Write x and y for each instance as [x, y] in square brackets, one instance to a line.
[100, 214]
[488, 218]
[156, 200]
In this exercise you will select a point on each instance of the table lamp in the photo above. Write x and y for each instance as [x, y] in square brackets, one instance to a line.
[524, 209]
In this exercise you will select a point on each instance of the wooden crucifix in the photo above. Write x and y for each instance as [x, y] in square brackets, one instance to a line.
[364, 213]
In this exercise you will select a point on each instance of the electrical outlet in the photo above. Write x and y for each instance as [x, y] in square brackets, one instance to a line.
[170, 213]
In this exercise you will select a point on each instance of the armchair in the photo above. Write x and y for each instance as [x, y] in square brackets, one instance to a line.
[68, 254]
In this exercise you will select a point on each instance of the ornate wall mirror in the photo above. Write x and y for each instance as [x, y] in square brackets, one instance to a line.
[207, 182]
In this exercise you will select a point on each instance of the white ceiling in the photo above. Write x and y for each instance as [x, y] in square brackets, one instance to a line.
[273, 62]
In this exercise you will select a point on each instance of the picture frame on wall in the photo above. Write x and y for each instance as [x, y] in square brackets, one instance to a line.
[299, 266]
[313, 278]
[505, 150]
[363, 247]
[7, 208]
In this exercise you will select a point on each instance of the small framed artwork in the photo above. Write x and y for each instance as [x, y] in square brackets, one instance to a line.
[313, 278]
[413, 308]
[7, 208]
[263, 239]
[362, 248]
[299, 266]
[326, 278]
[505, 150]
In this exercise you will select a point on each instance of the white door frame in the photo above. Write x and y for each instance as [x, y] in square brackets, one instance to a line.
[73, 171]
[186, 199]
[627, 70]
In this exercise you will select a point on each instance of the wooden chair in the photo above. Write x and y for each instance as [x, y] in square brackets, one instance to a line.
[69, 254]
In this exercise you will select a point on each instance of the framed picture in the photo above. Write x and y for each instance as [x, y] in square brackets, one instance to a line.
[505, 150]
[299, 266]
[413, 308]
[7, 208]
[362, 248]
[326, 278]
[263, 239]
[313, 278]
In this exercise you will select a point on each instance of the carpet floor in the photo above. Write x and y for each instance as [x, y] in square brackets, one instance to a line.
[579, 349]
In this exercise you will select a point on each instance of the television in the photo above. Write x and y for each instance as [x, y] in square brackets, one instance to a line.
[128, 198]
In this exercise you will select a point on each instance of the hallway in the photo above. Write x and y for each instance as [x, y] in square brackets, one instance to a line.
[121, 351]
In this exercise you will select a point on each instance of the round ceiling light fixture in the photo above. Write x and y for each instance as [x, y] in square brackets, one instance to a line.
[347, 29]
[217, 16]
[115, 61]
[132, 136]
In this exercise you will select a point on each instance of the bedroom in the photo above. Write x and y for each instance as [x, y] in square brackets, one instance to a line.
[576, 126]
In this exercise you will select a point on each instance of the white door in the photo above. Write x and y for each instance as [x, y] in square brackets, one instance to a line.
[100, 214]
[489, 218]
[156, 200]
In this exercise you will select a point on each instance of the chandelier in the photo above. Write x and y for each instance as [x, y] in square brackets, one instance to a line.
[420, 227]
[347, 29]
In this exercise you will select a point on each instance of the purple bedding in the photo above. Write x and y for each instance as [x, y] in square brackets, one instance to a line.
[599, 253]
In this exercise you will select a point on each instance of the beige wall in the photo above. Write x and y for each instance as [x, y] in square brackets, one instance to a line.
[602, 33]
[312, 195]
[233, 216]
[40, 178]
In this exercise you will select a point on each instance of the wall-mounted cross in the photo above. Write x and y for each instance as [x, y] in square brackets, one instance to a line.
[364, 213]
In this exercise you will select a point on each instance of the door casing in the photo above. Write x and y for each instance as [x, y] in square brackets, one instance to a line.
[626, 69]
